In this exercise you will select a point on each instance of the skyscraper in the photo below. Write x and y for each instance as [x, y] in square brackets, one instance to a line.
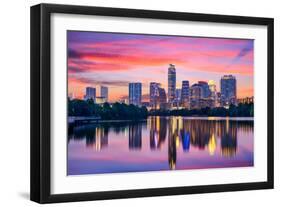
[205, 87]
[162, 99]
[90, 93]
[157, 95]
[228, 90]
[185, 93]
[196, 94]
[135, 94]
[153, 93]
[196, 91]
[171, 83]
[177, 100]
[213, 90]
[104, 93]
[178, 94]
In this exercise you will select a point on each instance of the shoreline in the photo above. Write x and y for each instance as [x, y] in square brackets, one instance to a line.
[211, 118]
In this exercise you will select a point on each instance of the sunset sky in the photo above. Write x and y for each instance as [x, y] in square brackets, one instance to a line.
[115, 59]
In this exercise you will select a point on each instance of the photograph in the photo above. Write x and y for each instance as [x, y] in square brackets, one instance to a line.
[151, 102]
[133, 103]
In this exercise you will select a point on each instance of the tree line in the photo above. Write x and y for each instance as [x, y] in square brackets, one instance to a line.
[116, 111]
[122, 111]
[241, 110]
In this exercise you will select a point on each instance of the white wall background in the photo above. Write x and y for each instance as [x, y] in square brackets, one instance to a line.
[14, 101]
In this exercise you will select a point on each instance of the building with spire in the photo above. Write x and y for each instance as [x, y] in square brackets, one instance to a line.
[171, 84]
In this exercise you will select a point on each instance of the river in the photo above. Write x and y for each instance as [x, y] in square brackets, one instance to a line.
[160, 143]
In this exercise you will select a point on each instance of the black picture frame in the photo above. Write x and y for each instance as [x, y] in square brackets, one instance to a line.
[41, 98]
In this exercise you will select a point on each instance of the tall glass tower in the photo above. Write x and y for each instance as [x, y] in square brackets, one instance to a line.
[185, 93]
[90, 93]
[171, 83]
[104, 92]
[153, 93]
[228, 90]
[135, 93]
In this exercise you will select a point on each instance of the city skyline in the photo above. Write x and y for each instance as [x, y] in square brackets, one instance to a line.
[115, 60]
[199, 95]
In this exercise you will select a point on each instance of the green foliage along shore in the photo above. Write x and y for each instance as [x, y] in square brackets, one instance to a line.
[116, 111]
[121, 111]
[242, 110]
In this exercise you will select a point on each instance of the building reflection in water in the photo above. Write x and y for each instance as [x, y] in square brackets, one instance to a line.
[229, 138]
[175, 133]
[212, 144]
[95, 137]
[172, 143]
[201, 134]
[185, 140]
[158, 132]
[101, 138]
[135, 132]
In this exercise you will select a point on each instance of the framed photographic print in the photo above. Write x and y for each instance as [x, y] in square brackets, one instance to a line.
[132, 103]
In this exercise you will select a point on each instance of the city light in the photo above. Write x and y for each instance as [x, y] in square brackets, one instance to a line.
[197, 96]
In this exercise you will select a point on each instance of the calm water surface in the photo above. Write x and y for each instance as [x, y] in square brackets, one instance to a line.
[160, 143]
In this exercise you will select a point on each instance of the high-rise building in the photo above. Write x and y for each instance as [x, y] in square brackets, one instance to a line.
[157, 95]
[228, 90]
[153, 93]
[135, 94]
[196, 91]
[104, 93]
[162, 99]
[171, 83]
[196, 94]
[90, 93]
[178, 94]
[178, 97]
[213, 90]
[185, 93]
[206, 90]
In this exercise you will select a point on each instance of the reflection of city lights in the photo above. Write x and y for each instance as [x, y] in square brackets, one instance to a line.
[126, 132]
[158, 123]
[228, 152]
[212, 144]
[98, 144]
[172, 165]
[98, 141]
[156, 139]
[177, 141]
[199, 139]
[174, 126]
[186, 141]
[227, 124]
[180, 124]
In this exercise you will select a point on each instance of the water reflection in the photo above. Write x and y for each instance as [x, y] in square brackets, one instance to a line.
[177, 136]
[158, 132]
[94, 136]
[135, 136]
